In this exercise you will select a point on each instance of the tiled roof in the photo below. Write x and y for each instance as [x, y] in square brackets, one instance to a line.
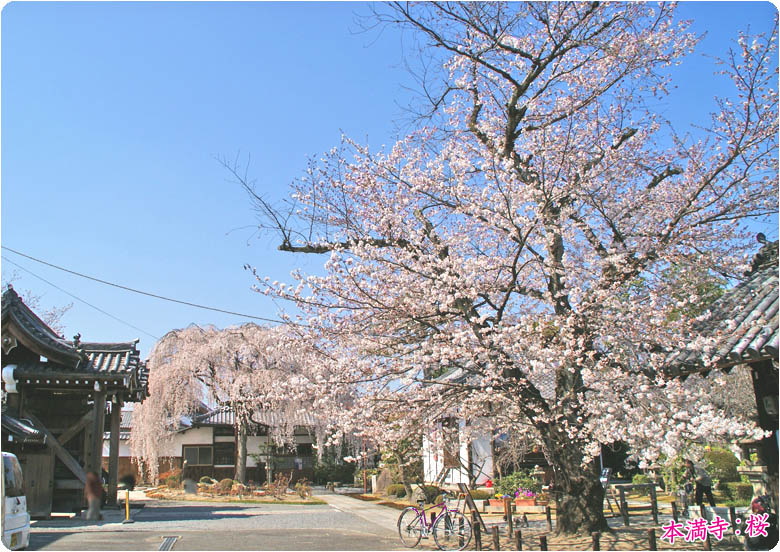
[22, 431]
[126, 419]
[71, 363]
[743, 321]
[111, 358]
[226, 416]
[34, 333]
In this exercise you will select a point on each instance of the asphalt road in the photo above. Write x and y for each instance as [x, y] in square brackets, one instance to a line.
[203, 526]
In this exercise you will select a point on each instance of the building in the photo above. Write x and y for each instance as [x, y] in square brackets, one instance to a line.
[743, 327]
[61, 397]
[209, 444]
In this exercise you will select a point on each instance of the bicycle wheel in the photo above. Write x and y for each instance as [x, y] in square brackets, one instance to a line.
[452, 531]
[409, 527]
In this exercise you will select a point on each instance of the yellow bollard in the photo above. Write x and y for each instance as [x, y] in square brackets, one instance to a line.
[127, 507]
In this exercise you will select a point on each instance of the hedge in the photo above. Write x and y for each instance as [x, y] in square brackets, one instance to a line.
[740, 491]
[396, 490]
[722, 464]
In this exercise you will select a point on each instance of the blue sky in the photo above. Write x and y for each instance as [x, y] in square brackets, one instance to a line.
[112, 114]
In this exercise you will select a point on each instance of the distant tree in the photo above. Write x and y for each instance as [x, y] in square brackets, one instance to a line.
[504, 238]
[246, 368]
[52, 316]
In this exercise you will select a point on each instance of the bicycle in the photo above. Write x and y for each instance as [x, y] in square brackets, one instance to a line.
[451, 529]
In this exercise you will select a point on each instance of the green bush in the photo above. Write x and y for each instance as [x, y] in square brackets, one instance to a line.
[173, 481]
[480, 494]
[206, 479]
[328, 471]
[358, 479]
[511, 483]
[721, 464]
[740, 491]
[127, 481]
[431, 492]
[396, 490]
[226, 484]
[641, 479]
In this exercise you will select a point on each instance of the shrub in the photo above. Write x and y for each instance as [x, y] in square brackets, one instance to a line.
[740, 491]
[226, 484]
[328, 471]
[173, 481]
[511, 483]
[206, 479]
[396, 490]
[431, 492]
[127, 481]
[721, 464]
[175, 472]
[358, 481]
[480, 494]
[723, 487]
[641, 479]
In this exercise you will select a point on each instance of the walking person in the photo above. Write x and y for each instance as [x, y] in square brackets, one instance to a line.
[701, 478]
[93, 492]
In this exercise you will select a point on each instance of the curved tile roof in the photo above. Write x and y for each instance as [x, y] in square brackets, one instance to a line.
[226, 416]
[117, 362]
[34, 333]
[743, 321]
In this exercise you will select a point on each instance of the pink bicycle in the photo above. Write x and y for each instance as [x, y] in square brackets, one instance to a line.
[451, 529]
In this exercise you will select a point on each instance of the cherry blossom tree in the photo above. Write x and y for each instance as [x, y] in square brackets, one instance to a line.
[507, 260]
[246, 368]
[51, 316]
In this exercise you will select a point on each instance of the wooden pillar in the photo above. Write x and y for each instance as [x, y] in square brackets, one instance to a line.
[113, 450]
[624, 506]
[548, 514]
[654, 503]
[477, 532]
[95, 459]
[651, 544]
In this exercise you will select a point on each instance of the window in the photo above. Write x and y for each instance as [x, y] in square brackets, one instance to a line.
[224, 454]
[197, 456]
[304, 449]
[223, 431]
[12, 472]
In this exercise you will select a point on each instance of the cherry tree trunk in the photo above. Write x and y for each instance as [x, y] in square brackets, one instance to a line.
[241, 453]
[404, 478]
[578, 493]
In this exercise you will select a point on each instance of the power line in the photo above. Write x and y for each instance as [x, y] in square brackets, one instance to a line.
[6, 259]
[156, 296]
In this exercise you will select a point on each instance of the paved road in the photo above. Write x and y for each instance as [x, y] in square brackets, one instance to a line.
[348, 524]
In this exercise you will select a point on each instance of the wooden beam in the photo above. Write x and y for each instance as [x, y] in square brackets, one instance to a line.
[70, 484]
[64, 456]
[74, 430]
[113, 450]
[95, 460]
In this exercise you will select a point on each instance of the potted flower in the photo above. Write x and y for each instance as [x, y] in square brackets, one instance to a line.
[498, 499]
[525, 497]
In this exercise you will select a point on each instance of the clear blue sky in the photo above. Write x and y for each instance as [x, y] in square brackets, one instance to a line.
[112, 114]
